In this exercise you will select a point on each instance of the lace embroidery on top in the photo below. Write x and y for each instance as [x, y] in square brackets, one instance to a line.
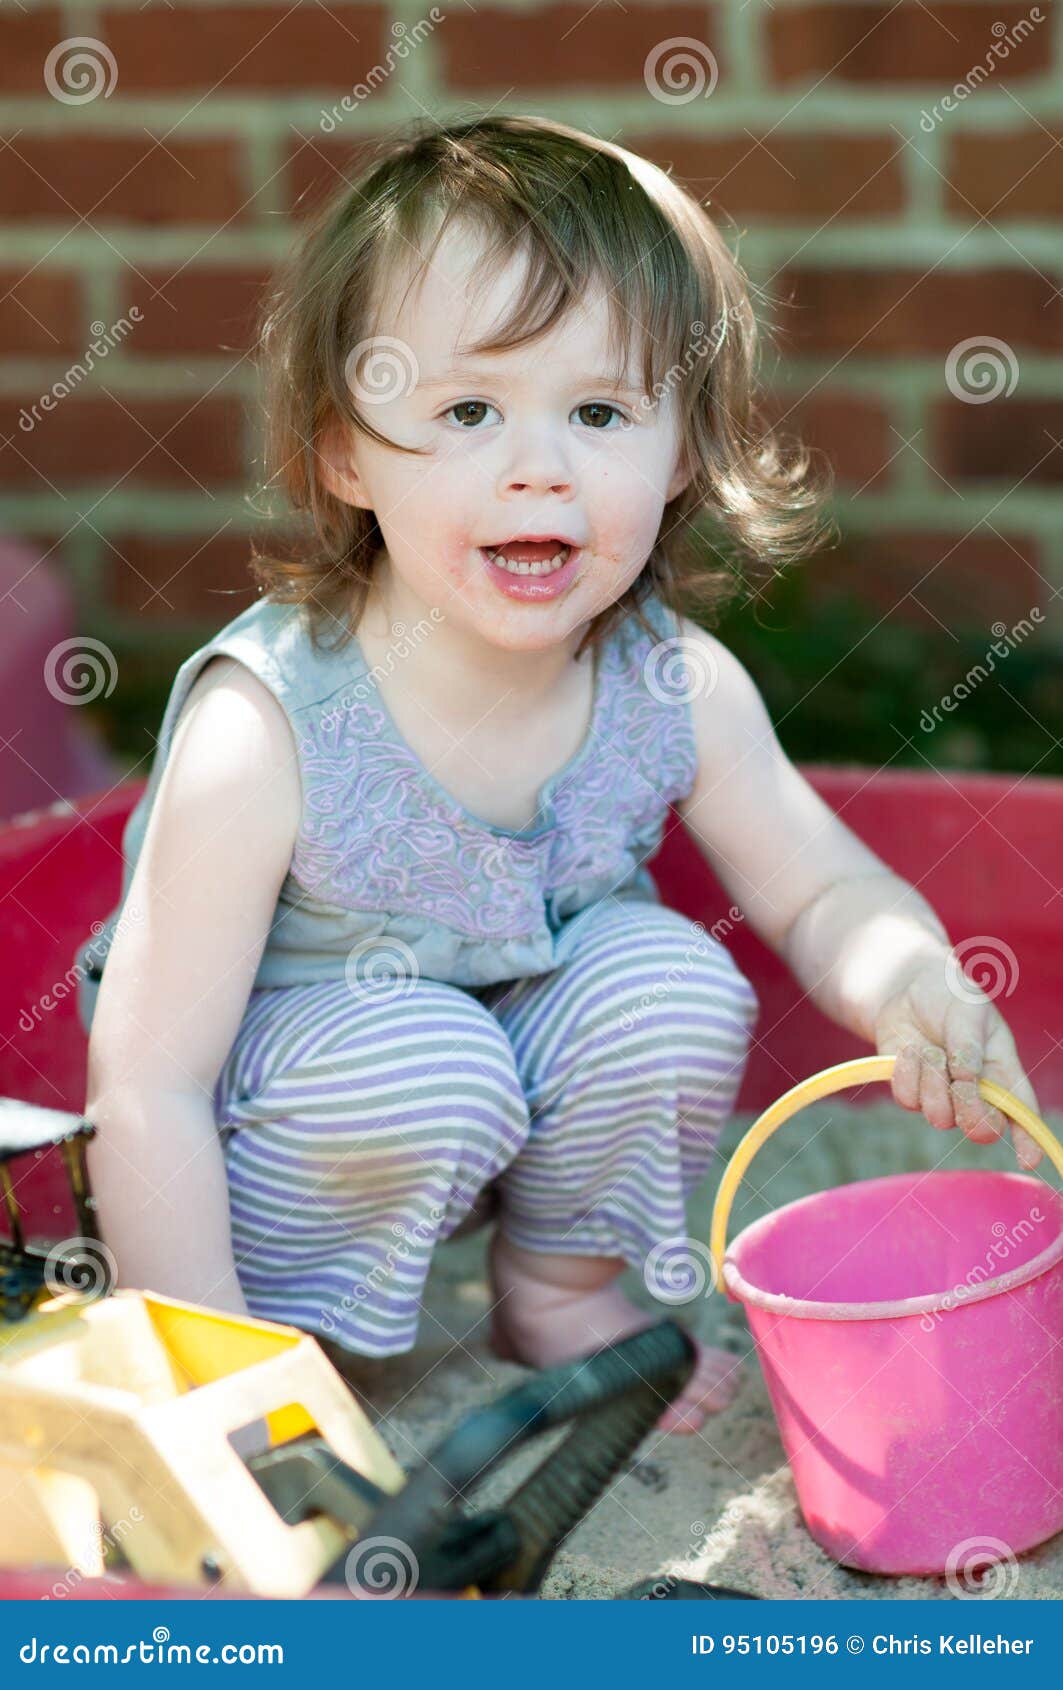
[378, 832]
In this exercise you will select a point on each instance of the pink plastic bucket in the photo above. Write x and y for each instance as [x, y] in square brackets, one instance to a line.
[910, 1331]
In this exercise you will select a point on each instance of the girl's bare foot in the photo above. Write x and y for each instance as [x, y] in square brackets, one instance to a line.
[551, 1308]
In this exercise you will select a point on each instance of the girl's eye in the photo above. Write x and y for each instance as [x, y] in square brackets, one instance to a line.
[469, 413]
[598, 406]
[467, 405]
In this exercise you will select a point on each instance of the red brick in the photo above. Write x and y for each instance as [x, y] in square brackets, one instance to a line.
[197, 577]
[127, 177]
[289, 48]
[28, 38]
[320, 165]
[60, 547]
[999, 440]
[908, 43]
[875, 311]
[923, 580]
[195, 310]
[852, 431]
[92, 438]
[40, 312]
[56, 550]
[791, 176]
[997, 176]
[565, 46]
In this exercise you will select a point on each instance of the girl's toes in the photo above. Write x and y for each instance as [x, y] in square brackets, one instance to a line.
[711, 1386]
[682, 1416]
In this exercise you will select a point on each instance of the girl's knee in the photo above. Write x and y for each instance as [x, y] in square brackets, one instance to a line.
[408, 1087]
[685, 971]
[667, 984]
[718, 983]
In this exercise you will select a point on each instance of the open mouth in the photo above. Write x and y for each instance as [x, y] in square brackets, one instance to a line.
[530, 557]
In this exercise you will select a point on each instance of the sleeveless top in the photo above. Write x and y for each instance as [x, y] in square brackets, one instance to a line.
[391, 871]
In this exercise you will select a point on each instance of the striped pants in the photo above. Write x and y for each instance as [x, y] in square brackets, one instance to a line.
[359, 1127]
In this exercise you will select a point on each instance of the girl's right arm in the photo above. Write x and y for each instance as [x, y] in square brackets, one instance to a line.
[178, 976]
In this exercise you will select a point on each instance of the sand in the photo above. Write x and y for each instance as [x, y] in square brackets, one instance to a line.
[719, 1505]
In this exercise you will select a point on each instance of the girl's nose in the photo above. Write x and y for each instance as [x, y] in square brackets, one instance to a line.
[539, 484]
[536, 463]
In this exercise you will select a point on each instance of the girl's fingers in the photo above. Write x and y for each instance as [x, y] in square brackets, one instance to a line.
[904, 1081]
[935, 1098]
[976, 1118]
[944, 1083]
[1027, 1149]
[966, 1030]
[966, 1027]
[1002, 1065]
[920, 1077]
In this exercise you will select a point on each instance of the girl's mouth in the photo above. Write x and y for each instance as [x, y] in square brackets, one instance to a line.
[532, 569]
[529, 557]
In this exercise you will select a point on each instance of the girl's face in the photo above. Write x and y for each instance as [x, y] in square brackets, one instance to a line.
[530, 442]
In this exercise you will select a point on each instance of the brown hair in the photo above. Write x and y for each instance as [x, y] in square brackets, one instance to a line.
[587, 212]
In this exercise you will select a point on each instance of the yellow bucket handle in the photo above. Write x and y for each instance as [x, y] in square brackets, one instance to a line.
[843, 1074]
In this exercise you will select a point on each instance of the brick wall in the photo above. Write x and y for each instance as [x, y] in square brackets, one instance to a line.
[894, 173]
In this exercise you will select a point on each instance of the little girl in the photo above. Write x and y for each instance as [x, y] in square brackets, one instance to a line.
[388, 954]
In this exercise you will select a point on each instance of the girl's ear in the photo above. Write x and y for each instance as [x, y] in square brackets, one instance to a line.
[337, 468]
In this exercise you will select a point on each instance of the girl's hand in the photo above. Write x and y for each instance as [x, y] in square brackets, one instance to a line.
[946, 1035]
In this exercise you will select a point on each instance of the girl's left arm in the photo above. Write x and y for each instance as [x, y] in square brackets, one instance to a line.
[862, 942]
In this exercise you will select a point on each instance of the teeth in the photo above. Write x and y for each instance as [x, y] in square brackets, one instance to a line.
[546, 567]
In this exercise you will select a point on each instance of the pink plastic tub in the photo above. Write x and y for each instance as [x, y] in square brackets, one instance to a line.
[910, 1331]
